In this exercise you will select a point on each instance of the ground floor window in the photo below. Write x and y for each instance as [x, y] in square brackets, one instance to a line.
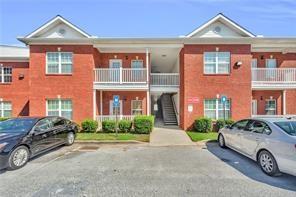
[137, 107]
[59, 107]
[5, 109]
[270, 107]
[214, 109]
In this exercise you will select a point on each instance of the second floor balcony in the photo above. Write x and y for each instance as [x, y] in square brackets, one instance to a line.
[273, 78]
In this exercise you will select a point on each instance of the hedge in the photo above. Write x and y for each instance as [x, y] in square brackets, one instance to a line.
[143, 124]
[2, 119]
[89, 126]
[125, 126]
[203, 125]
[222, 123]
[109, 126]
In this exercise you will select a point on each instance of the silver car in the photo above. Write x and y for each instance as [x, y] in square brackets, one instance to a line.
[269, 141]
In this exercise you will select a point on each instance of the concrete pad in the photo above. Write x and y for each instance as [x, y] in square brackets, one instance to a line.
[169, 137]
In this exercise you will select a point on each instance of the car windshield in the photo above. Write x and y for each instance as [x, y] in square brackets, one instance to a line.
[289, 127]
[16, 125]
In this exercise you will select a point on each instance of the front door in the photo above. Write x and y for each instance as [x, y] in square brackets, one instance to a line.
[113, 109]
[114, 74]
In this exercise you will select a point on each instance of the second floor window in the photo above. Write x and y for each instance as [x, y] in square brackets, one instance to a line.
[271, 63]
[137, 64]
[5, 109]
[5, 74]
[216, 62]
[59, 62]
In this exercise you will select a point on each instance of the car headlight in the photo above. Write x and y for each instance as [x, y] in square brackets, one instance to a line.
[2, 145]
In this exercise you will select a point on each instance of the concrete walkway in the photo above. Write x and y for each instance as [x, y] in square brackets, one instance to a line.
[170, 136]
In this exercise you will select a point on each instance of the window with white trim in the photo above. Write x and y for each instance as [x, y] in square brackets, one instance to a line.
[270, 107]
[254, 63]
[137, 64]
[5, 74]
[216, 62]
[5, 109]
[270, 63]
[214, 109]
[59, 62]
[137, 107]
[59, 107]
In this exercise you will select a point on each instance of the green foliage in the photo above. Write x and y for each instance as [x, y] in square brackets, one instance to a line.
[89, 126]
[203, 125]
[221, 123]
[2, 119]
[143, 124]
[125, 126]
[109, 126]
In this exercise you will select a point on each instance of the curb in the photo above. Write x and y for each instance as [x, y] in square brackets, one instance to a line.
[109, 142]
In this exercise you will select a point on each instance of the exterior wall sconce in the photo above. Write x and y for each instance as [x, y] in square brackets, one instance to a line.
[217, 49]
[115, 56]
[59, 96]
[262, 57]
[21, 76]
[271, 56]
[126, 57]
[59, 49]
[261, 98]
[239, 63]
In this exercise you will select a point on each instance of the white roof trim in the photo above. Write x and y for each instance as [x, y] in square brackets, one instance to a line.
[58, 18]
[221, 16]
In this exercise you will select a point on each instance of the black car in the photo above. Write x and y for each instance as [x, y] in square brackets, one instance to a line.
[24, 138]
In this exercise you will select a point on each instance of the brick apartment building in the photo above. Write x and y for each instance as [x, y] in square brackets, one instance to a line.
[65, 71]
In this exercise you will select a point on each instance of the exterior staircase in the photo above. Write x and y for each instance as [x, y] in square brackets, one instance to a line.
[168, 110]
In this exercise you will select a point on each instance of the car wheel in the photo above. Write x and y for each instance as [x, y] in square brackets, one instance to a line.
[221, 141]
[70, 139]
[268, 163]
[18, 158]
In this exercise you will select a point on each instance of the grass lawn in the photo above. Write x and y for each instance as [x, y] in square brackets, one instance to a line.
[197, 136]
[112, 136]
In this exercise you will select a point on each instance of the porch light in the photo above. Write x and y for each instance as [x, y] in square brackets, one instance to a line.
[137, 98]
[59, 96]
[271, 97]
[59, 49]
[217, 96]
[217, 49]
[1, 99]
[271, 56]
[115, 56]
[239, 63]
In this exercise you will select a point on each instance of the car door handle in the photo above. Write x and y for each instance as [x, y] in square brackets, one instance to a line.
[44, 136]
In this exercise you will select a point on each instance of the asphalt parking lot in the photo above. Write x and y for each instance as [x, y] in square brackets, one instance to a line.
[141, 170]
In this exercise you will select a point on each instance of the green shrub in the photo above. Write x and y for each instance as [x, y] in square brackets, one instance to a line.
[109, 126]
[125, 126]
[2, 119]
[203, 125]
[221, 123]
[143, 124]
[89, 126]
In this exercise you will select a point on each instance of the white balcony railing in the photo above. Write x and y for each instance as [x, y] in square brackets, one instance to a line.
[274, 75]
[120, 75]
[164, 79]
[113, 117]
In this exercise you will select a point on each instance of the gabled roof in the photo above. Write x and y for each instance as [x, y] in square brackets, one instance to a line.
[227, 21]
[56, 20]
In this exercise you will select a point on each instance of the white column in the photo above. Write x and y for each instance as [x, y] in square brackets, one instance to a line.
[94, 104]
[101, 103]
[148, 103]
[147, 64]
[284, 102]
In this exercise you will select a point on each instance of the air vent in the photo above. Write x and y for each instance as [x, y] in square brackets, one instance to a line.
[62, 31]
[217, 29]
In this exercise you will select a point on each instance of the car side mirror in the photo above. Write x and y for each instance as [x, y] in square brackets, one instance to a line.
[228, 127]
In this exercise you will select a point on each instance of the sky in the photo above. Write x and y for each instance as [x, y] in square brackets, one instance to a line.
[146, 18]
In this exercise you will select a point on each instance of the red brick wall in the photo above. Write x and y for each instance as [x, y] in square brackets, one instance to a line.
[17, 92]
[126, 96]
[291, 101]
[236, 85]
[77, 86]
[283, 60]
[262, 96]
[125, 57]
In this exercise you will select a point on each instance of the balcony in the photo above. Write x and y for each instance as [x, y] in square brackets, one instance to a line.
[164, 82]
[273, 78]
[120, 78]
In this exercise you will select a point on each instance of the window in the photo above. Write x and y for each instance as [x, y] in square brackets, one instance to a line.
[240, 124]
[270, 107]
[137, 64]
[214, 109]
[5, 74]
[216, 62]
[254, 63]
[59, 63]
[271, 63]
[288, 126]
[5, 109]
[258, 127]
[59, 107]
[137, 107]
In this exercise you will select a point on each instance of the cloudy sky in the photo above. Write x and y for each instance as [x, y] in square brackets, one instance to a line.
[146, 18]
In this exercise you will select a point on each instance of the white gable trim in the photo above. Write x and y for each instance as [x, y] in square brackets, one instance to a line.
[216, 18]
[58, 18]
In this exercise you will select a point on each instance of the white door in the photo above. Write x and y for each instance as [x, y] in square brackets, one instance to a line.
[254, 107]
[113, 109]
[114, 74]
